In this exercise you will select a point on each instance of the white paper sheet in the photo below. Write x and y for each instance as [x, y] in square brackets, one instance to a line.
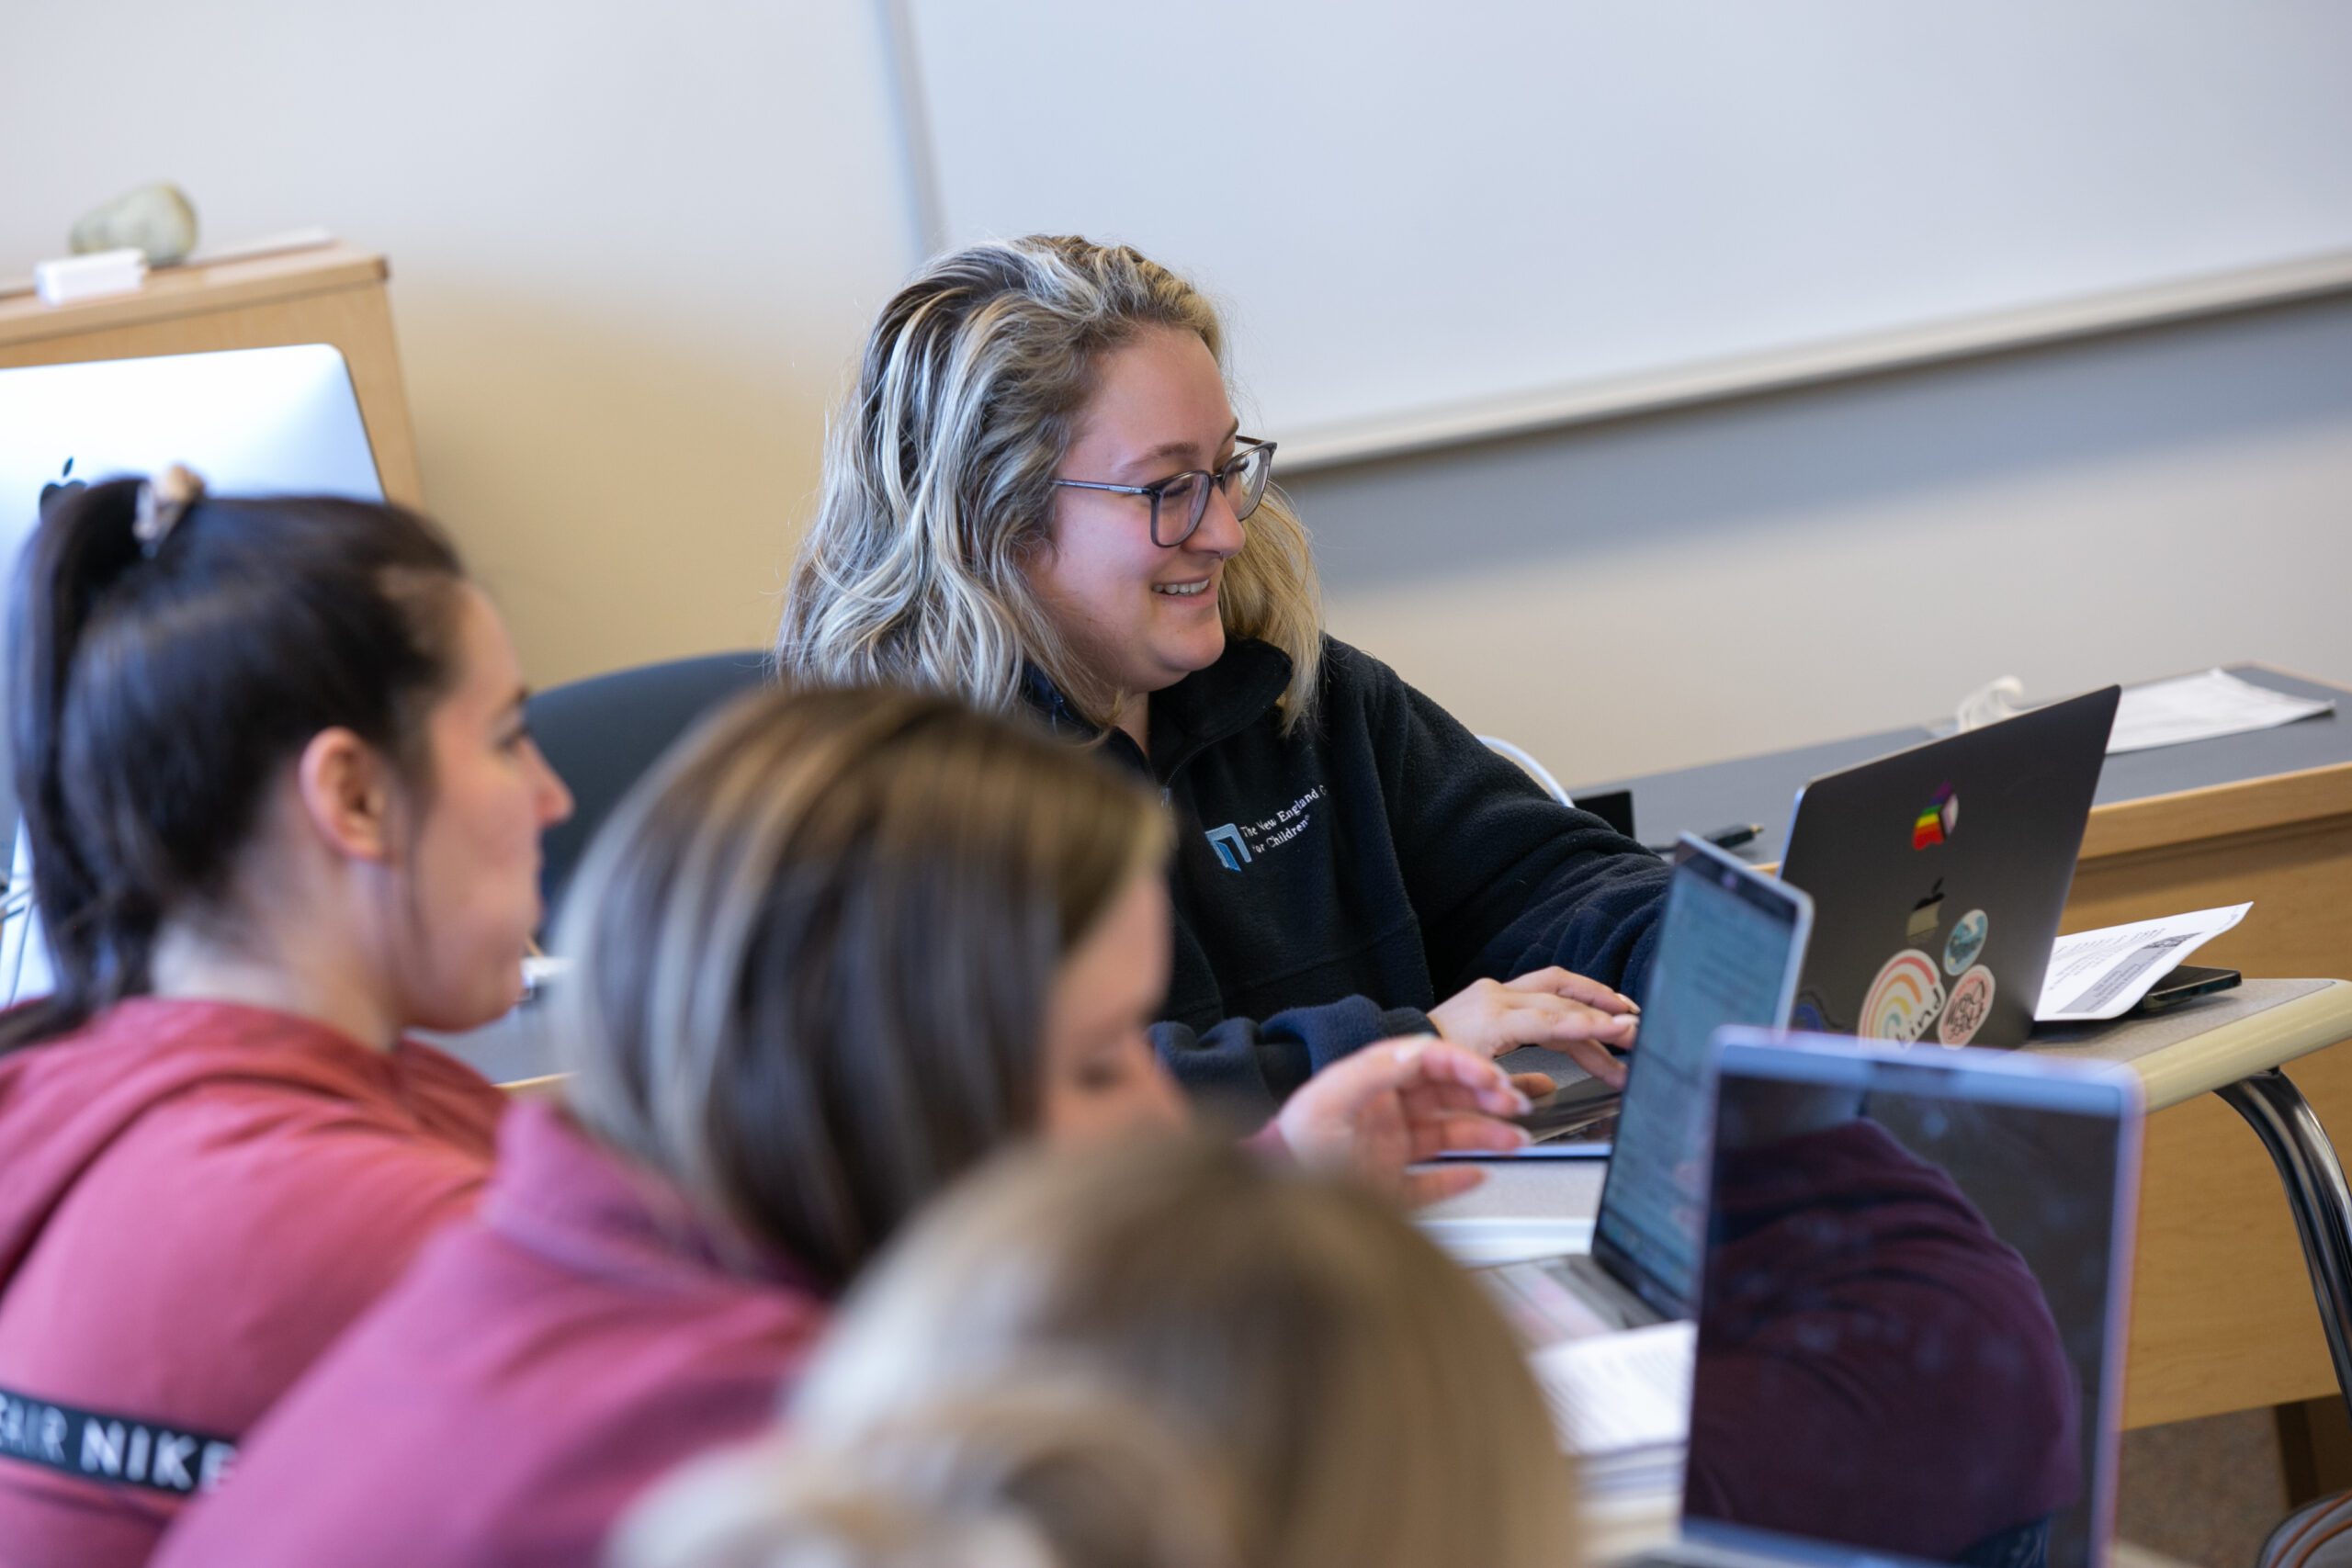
[2101, 974]
[2202, 708]
[1618, 1391]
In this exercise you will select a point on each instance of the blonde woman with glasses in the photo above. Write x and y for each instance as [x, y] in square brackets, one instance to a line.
[1037, 497]
[1165, 1357]
[837, 950]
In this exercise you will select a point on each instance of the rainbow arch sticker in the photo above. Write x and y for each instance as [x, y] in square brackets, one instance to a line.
[1903, 999]
[1937, 822]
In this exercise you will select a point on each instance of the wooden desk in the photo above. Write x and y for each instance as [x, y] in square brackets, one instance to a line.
[332, 295]
[2224, 1317]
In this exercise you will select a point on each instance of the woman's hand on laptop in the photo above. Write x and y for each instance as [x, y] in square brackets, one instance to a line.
[1397, 1102]
[1581, 1019]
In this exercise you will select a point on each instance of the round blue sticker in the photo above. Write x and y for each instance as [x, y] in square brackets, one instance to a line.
[1967, 940]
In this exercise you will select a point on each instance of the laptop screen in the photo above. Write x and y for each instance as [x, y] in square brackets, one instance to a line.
[1908, 1327]
[1727, 950]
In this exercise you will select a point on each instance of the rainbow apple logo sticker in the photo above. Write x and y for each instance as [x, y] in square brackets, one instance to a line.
[1936, 823]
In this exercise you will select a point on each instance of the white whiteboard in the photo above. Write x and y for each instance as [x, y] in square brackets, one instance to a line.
[1429, 221]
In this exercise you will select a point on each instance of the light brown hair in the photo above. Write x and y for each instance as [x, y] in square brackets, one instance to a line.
[1054, 1473]
[814, 949]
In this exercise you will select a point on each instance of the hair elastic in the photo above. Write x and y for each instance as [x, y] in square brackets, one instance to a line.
[163, 501]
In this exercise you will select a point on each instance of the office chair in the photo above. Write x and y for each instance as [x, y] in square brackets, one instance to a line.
[2317, 1535]
[602, 734]
[1536, 769]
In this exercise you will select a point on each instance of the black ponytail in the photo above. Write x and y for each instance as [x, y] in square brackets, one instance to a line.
[156, 684]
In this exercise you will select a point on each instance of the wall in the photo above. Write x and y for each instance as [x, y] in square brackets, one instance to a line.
[1687, 587]
[627, 440]
[632, 248]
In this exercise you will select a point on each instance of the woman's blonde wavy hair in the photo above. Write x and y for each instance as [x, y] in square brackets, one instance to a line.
[938, 487]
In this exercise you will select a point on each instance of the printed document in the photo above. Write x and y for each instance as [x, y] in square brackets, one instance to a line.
[2101, 974]
[1618, 1392]
[2202, 707]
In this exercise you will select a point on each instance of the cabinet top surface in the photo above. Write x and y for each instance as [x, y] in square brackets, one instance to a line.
[185, 290]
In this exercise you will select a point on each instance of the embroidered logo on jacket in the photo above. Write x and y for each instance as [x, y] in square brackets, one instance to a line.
[1226, 842]
[1239, 843]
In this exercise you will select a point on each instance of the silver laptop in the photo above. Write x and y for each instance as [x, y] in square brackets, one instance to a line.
[252, 422]
[1911, 1325]
[1730, 943]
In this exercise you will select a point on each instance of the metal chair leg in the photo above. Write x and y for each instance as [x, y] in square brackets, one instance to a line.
[2316, 1193]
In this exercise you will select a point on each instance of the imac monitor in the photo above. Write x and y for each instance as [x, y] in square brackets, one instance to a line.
[252, 421]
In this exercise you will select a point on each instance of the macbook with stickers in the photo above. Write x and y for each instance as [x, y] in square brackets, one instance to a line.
[1938, 875]
[1910, 1335]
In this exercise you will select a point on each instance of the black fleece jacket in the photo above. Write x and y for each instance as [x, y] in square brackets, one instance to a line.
[1332, 885]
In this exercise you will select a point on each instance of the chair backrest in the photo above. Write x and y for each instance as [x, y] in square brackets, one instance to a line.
[602, 734]
[1536, 769]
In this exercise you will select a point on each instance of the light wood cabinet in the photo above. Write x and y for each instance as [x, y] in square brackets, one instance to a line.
[331, 295]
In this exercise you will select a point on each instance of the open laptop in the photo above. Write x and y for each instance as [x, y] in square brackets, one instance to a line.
[1729, 945]
[1940, 874]
[1911, 1328]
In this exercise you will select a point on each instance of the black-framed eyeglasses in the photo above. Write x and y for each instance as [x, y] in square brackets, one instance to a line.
[1186, 496]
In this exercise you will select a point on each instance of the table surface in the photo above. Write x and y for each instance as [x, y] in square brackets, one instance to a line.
[1763, 789]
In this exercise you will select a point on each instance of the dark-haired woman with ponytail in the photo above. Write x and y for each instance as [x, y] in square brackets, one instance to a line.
[283, 809]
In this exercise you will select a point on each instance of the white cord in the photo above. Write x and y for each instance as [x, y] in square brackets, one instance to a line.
[1990, 704]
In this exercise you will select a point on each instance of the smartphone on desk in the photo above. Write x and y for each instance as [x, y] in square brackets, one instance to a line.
[2185, 983]
[1576, 1120]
